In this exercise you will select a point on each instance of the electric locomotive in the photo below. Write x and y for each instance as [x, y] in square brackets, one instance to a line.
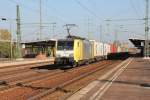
[73, 50]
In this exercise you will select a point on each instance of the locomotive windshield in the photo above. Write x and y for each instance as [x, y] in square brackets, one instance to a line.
[65, 45]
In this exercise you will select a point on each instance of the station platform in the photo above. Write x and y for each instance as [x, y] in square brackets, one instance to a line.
[130, 80]
[25, 61]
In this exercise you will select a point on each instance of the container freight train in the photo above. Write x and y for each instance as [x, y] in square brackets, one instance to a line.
[77, 51]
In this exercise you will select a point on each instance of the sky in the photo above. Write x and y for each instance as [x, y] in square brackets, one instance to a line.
[90, 17]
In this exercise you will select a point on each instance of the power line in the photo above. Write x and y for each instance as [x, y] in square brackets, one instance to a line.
[139, 6]
[13, 1]
[87, 9]
[36, 10]
[56, 10]
[94, 5]
[134, 8]
[25, 6]
[129, 19]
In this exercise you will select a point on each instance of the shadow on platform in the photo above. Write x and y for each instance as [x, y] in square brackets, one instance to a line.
[128, 83]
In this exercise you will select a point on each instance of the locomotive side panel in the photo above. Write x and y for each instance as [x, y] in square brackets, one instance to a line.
[78, 50]
[93, 49]
[83, 51]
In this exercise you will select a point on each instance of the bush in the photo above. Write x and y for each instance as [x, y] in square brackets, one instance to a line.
[4, 49]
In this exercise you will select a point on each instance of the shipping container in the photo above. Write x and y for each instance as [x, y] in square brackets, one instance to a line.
[113, 48]
[97, 49]
[118, 49]
[106, 49]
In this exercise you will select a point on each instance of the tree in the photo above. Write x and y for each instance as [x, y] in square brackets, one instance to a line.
[5, 34]
[5, 38]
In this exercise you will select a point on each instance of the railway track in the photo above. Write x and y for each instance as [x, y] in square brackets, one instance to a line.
[60, 87]
[22, 66]
[66, 91]
[39, 87]
[13, 70]
[26, 76]
[18, 81]
[11, 76]
[109, 73]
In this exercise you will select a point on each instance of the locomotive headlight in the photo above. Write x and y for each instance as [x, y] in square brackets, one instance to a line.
[70, 55]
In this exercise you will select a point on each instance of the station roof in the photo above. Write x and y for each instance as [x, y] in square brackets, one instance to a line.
[137, 42]
[41, 42]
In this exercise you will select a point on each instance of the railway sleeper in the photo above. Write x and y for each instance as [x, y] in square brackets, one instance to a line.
[145, 85]
[3, 82]
[32, 87]
[63, 90]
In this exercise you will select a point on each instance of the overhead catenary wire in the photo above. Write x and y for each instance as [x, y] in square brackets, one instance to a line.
[61, 18]
[129, 19]
[59, 13]
[87, 9]
[139, 7]
[24, 6]
[93, 3]
[134, 8]
[13, 1]
[36, 10]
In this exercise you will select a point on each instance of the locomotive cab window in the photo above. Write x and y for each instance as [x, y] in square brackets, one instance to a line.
[65, 45]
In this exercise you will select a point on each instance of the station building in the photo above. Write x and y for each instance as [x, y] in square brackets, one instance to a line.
[34, 48]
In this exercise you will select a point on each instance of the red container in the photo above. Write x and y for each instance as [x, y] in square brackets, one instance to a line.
[113, 48]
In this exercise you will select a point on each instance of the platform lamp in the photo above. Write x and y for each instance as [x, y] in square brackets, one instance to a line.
[10, 30]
